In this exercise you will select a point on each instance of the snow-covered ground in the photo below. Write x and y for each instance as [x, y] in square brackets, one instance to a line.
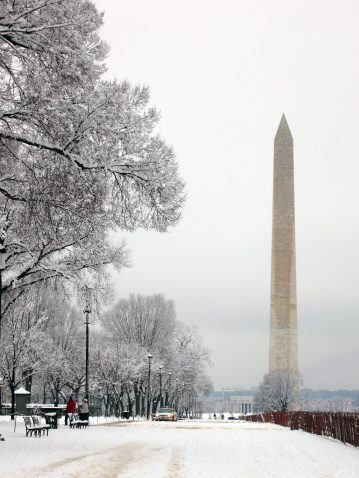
[202, 448]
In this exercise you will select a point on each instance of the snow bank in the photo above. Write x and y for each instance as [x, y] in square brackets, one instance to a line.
[193, 448]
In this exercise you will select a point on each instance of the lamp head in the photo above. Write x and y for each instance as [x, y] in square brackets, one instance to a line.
[87, 312]
[2, 257]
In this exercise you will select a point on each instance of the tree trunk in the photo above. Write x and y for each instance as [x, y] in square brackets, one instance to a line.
[143, 407]
[130, 404]
[57, 390]
[137, 400]
[12, 388]
[76, 390]
[44, 394]
[28, 379]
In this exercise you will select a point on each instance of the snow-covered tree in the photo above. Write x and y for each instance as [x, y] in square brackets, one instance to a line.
[148, 321]
[44, 346]
[279, 392]
[141, 325]
[190, 362]
[138, 326]
[63, 370]
[119, 375]
[79, 157]
[24, 343]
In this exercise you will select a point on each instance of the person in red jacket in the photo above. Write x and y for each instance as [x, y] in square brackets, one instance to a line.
[70, 409]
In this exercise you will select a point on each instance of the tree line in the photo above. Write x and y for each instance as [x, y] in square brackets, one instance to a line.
[80, 159]
[44, 350]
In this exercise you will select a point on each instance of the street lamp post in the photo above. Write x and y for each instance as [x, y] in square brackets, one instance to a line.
[182, 401]
[177, 379]
[87, 313]
[149, 386]
[189, 403]
[1, 384]
[2, 267]
[169, 388]
[161, 386]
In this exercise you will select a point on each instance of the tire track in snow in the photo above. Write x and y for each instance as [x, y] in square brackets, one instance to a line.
[176, 463]
[103, 464]
[132, 459]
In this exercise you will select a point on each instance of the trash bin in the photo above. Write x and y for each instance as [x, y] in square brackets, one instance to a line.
[51, 419]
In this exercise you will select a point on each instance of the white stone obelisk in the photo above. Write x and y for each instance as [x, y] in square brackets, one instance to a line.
[283, 347]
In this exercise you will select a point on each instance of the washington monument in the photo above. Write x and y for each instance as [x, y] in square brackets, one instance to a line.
[283, 347]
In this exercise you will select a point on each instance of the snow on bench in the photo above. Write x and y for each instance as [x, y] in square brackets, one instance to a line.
[77, 423]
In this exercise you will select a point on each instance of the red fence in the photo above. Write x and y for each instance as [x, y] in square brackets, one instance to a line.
[341, 426]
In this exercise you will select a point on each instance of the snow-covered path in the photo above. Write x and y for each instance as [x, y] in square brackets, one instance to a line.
[176, 450]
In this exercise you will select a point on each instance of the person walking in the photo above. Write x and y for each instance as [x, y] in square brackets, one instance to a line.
[70, 409]
[84, 410]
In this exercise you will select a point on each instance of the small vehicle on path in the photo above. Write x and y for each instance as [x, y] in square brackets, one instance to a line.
[166, 413]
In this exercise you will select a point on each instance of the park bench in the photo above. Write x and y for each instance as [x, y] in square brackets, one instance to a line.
[37, 423]
[30, 428]
[77, 423]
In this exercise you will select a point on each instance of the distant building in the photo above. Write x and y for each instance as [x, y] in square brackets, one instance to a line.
[329, 400]
[233, 400]
[236, 400]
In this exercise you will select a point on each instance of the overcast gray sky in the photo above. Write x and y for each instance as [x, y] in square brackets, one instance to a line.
[222, 73]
